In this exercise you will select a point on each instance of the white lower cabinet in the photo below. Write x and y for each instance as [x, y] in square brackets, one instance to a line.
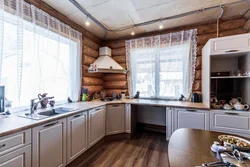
[115, 116]
[49, 144]
[76, 135]
[17, 158]
[230, 121]
[191, 118]
[96, 125]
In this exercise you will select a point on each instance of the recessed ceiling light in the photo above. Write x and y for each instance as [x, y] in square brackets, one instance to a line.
[132, 33]
[161, 26]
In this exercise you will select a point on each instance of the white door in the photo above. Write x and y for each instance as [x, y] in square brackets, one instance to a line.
[18, 158]
[49, 144]
[128, 118]
[96, 125]
[115, 119]
[76, 135]
[189, 118]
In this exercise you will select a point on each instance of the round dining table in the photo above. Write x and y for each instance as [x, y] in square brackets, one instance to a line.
[191, 147]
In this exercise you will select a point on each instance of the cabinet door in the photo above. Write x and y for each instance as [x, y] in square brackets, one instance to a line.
[49, 144]
[128, 118]
[115, 119]
[230, 121]
[230, 44]
[76, 135]
[189, 118]
[18, 158]
[96, 125]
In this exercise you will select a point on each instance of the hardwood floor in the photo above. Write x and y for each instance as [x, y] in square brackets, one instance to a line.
[146, 149]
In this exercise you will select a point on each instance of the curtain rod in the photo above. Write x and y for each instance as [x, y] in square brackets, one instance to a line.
[84, 11]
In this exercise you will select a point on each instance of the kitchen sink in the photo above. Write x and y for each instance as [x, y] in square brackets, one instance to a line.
[48, 113]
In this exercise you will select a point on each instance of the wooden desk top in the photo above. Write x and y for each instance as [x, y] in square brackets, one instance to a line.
[189, 147]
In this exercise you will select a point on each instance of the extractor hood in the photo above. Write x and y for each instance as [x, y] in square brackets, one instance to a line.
[105, 64]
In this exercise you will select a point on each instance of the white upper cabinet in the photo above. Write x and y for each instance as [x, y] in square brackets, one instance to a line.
[77, 135]
[230, 44]
[115, 119]
[49, 144]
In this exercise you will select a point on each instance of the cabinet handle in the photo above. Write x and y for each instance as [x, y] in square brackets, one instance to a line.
[51, 124]
[231, 113]
[230, 51]
[98, 109]
[115, 105]
[190, 110]
[78, 115]
[3, 145]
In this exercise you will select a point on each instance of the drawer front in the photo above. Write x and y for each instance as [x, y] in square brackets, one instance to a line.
[14, 141]
[229, 122]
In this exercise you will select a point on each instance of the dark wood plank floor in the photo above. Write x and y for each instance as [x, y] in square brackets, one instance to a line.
[146, 149]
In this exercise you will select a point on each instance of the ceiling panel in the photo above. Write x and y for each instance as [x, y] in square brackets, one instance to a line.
[115, 14]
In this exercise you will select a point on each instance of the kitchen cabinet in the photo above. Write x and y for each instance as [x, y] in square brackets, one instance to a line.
[77, 135]
[115, 115]
[128, 118]
[96, 125]
[49, 144]
[191, 118]
[236, 122]
[230, 44]
[17, 158]
[14, 141]
[169, 122]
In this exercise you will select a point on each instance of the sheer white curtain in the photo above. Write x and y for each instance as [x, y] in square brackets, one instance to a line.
[38, 53]
[162, 66]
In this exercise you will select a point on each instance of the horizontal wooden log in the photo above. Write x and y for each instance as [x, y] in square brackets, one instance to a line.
[87, 60]
[120, 59]
[123, 65]
[90, 52]
[198, 63]
[202, 39]
[197, 85]
[114, 44]
[85, 73]
[199, 50]
[197, 74]
[247, 25]
[233, 32]
[115, 77]
[117, 91]
[90, 81]
[92, 37]
[118, 51]
[86, 41]
[223, 26]
[93, 89]
[115, 85]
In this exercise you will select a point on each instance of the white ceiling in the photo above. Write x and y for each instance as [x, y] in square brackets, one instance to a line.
[119, 13]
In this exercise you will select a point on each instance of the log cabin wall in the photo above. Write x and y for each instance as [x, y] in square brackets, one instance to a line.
[90, 47]
[118, 83]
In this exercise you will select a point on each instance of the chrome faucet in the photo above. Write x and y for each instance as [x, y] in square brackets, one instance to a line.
[33, 104]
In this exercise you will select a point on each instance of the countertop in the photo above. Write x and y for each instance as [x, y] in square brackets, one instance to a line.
[13, 123]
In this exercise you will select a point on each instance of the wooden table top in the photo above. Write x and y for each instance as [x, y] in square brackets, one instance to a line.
[190, 147]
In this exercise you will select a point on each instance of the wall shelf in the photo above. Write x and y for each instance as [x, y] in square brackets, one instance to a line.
[229, 77]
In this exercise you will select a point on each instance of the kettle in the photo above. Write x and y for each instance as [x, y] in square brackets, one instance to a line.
[196, 97]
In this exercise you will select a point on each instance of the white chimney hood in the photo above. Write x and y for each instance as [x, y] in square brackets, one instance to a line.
[105, 64]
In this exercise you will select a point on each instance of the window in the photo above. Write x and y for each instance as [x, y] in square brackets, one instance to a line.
[36, 60]
[160, 69]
